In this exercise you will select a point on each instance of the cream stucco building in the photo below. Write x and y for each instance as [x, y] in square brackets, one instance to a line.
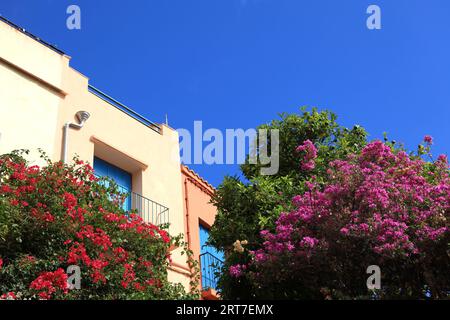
[40, 94]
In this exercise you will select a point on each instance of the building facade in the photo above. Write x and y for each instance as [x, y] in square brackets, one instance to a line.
[199, 217]
[45, 104]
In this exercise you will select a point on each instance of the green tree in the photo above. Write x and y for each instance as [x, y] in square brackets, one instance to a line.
[249, 206]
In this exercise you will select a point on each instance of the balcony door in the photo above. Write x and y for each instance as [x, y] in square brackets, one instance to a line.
[211, 260]
[121, 177]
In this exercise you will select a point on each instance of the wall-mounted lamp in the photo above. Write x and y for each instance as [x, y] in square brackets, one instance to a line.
[82, 117]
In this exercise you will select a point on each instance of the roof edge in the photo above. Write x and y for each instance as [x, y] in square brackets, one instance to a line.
[197, 178]
[34, 37]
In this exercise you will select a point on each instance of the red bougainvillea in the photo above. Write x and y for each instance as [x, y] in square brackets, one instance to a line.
[49, 282]
[59, 216]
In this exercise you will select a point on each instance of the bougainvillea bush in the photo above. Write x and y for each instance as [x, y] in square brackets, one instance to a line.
[59, 216]
[380, 207]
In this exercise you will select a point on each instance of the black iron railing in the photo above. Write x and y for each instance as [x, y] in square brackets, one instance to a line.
[150, 211]
[210, 267]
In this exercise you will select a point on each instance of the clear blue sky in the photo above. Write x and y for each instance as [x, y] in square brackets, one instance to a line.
[237, 63]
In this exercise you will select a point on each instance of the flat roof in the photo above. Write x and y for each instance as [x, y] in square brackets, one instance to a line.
[15, 26]
[130, 112]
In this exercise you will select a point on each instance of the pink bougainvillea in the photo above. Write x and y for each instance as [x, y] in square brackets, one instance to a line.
[237, 270]
[378, 207]
[310, 154]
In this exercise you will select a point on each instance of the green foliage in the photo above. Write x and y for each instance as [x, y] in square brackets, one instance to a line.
[247, 207]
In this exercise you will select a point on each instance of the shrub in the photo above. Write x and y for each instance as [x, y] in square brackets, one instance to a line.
[377, 207]
[60, 215]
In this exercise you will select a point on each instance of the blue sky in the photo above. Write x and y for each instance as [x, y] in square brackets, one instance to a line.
[237, 63]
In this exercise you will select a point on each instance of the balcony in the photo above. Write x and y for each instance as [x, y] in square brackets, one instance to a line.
[210, 267]
[150, 211]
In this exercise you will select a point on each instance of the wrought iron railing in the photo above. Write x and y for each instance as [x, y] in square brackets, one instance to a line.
[150, 211]
[210, 267]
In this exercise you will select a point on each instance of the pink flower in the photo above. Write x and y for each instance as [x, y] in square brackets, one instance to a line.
[260, 257]
[236, 271]
[428, 139]
[310, 154]
[443, 158]
[308, 242]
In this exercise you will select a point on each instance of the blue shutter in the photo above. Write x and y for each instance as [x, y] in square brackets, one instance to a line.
[204, 248]
[121, 177]
[209, 265]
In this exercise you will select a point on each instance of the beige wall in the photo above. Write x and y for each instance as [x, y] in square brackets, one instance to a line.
[30, 75]
[37, 59]
[29, 106]
[39, 93]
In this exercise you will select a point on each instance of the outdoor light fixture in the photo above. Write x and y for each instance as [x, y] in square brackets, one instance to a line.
[82, 117]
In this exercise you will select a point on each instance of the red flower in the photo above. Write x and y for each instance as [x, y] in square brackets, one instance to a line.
[5, 189]
[164, 236]
[138, 286]
[111, 217]
[50, 282]
[128, 275]
[97, 276]
[78, 252]
[99, 264]
[18, 176]
[98, 237]
[48, 217]
[8, 296]
[120, 254]
[69, 200]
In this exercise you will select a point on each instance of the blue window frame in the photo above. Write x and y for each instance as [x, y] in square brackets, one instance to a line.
[120, 176]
